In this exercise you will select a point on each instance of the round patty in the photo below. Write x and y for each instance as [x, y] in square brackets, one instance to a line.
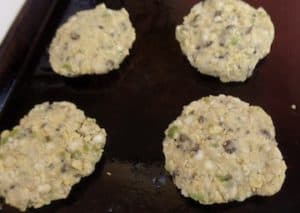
[92, 42]
[52, 148]
[222, 149]
[225, 39]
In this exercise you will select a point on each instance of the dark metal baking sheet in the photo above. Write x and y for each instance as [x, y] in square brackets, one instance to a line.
[20, 40]
[136, 103]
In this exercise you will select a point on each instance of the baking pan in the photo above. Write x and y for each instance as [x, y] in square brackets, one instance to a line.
[137, 102]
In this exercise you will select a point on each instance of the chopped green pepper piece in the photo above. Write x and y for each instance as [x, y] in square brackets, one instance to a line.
[76, 155]
[85, 148]
[197, 197]
[206, 99]
[96, 148]
[11, 134]
[67, 67]
[234, 41]
[172, 131]
[224, 178]
[215, 145]
[4, 140]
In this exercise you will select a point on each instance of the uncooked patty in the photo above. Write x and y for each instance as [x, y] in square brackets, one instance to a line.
[222, 149]
[225, 39]
[92, 42]
[52, 148]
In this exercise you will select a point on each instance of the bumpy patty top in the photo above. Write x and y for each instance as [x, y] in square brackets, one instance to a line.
[225, 38]
[92, 42]
[222, 149]
[52, 148]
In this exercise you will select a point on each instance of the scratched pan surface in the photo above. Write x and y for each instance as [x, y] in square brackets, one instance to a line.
[137, 102]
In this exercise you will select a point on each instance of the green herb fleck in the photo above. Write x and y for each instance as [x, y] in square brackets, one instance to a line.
[75, 155]
[224, 178]
[13, 132]
[234, 41]
[206, 99]
[96, 148]
[5, 139]
[215, 145]
[172, 131]
[197, 197]
[67, 67]
[261, 13]
[85, 148]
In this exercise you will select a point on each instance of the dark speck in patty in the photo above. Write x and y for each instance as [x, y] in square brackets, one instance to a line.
[74, 36]
[201, 119]
[218, 13]
[229, 147]
[266, 133]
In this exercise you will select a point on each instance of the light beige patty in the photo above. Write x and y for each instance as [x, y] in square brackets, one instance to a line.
[225, 38]
[52, 148]
[92, 42]
[222, 149]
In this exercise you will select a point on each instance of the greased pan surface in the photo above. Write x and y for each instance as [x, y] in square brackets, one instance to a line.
[137, 102]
